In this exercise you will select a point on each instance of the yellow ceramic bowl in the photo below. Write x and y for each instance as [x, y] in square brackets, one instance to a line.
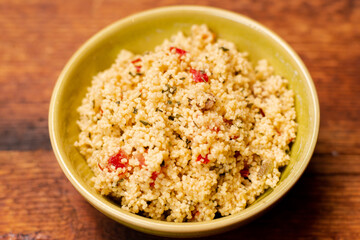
[141, 32]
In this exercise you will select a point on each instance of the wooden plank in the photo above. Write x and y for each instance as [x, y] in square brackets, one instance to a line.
[24, 126]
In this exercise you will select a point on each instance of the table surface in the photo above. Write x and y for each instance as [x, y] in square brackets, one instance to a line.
[38, 37]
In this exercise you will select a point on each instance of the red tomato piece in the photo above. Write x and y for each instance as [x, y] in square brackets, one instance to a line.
[179, 51]
[136, 60]
[154, 175]
[138, 68]
[116, 160]
[199, 75]
[141, 159]
[202, 159]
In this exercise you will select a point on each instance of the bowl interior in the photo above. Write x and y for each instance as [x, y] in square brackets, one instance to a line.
[143, 32]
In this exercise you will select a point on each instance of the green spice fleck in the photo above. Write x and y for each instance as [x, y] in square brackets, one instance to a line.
[162, 163]
[158, 110]
[135, 110]
[89, 135]
[172, 118]
[188, 143]
[131, 74]
[169, 89]
[117, 102]
[118, 182]
[249, 105]
[140, 95]
[195, 124]
[177, 135]
[145, 123]
[169, 102]
[182, 78]
[172, 90]
[224, 49]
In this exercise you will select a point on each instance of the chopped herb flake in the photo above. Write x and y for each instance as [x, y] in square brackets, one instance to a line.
[169, 102]
[169, 89]
[172, 90]
[158, 110]
[224, 49]
[177, 135]
[171, 117]
[162, 163]
[145, 123]
[117, 102]
[135, 110]
[188, 143]
[182, 78]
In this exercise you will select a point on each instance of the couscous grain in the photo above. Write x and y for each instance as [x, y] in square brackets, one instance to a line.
[187, 131]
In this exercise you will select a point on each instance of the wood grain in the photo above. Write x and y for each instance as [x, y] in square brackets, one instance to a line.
[38, 37]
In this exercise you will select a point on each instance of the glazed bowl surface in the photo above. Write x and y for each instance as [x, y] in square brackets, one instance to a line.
[142, 32]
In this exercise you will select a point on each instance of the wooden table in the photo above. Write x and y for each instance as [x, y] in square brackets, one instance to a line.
[37, 37]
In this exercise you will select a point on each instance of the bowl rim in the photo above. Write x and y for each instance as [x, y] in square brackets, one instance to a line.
[171, 227]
